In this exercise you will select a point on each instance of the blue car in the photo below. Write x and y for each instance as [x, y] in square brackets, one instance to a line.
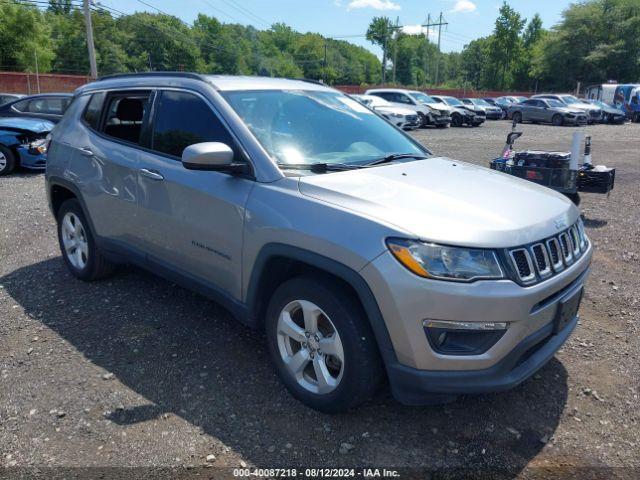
[23, 143]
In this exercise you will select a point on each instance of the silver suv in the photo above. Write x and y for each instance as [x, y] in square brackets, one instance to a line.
[360, 254]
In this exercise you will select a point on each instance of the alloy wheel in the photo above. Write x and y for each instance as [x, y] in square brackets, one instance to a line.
[3, 161]
[74, 241]
[310, 347]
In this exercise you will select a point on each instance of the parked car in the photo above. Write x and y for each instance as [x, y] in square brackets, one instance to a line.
[492, 112]
[399, 116]
[540, 110]
[593, 112]
[504, 103]
[9, 97]
[23, 143]
[429, 111]
[609, 114]
[358, 253]
[48, 106]
[461, 114]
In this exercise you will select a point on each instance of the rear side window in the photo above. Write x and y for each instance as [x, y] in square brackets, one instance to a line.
[49, 105]
[183, 119]
[21, 106]
[125, 113]
[93, 110]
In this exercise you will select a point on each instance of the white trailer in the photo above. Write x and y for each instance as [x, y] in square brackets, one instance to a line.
[604, 92]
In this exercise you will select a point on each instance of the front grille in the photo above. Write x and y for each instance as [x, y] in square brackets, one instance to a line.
[540, 260]
[412, 118]
[594, 114]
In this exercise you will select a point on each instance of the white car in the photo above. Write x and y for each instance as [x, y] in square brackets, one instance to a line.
[430, 111]
[401, 117]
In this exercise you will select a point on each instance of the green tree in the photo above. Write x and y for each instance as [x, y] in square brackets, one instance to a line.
[380, 33]
[24, 36]
[505, 45]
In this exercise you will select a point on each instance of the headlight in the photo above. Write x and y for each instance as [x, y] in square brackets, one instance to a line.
[445, 263]
[39, 146]
[397, 115]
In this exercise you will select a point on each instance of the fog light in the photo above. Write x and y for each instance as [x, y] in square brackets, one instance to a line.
[463, 338]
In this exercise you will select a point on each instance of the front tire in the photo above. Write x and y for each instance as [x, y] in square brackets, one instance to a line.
[7, 161]
[79, 250]
[321, 344]
[557, 120]
[456, 120]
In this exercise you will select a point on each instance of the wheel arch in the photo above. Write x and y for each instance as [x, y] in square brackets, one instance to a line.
[277, 263]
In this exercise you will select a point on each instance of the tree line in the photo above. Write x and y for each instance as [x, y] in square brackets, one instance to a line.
[56, 37]
[595, 41]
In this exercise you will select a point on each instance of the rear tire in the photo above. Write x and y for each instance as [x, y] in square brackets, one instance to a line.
[7, 161]
[557, 120]
[456, 120]
[77, 244]
[423, 120]
[321, 344]
[517, 117]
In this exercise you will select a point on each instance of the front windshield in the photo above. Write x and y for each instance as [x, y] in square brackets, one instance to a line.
[307, 127]
[570, 99]
[599, 104]
[479, 101]
[555, 103]
[453, 101]
[422, 97]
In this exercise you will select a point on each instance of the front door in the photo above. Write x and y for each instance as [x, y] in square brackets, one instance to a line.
[192, 220]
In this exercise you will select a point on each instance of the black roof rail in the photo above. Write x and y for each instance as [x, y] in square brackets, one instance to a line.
[195, 76]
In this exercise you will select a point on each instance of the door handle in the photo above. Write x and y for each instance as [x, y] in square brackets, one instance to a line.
[152, 174]
[86, 152]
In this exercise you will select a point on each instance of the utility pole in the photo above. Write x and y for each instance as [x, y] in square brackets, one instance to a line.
[90, 46]
[426, 49]
[35, 54]
[440, 24]
[324, 64]
[395, 49]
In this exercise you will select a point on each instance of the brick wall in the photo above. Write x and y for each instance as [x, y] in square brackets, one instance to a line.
[27, 83]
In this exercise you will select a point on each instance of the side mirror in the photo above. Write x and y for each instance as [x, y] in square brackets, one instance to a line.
[214, 156]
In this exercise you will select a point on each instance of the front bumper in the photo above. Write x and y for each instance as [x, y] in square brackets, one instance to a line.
[30, 160]
[495, 115]
[442, 120]
[417, 387]
[416, 371]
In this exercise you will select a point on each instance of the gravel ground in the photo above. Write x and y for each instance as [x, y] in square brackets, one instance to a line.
[137, 372]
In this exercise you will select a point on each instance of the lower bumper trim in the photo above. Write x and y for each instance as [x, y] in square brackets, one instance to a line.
[411, 386]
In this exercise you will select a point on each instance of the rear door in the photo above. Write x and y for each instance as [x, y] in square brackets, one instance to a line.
[192, 220]
[104, 163]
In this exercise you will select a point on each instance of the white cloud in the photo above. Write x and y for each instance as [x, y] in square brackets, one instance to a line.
[464, 6]
[420, 30]
[375, 4]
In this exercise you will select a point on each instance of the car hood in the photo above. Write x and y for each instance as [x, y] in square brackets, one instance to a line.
[392, 109]
[439, 106]
[447, 201]
[35, 125]
[575, 111]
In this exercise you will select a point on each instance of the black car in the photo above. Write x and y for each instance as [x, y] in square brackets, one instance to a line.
[48, 106]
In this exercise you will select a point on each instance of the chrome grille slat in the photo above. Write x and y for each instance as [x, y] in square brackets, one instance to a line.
[541, 260]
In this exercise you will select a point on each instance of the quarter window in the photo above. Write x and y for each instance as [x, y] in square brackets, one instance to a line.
[94, 109]
[183, 119]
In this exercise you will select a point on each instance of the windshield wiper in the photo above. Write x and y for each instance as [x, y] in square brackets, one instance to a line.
[319, 167]
[395, 156]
